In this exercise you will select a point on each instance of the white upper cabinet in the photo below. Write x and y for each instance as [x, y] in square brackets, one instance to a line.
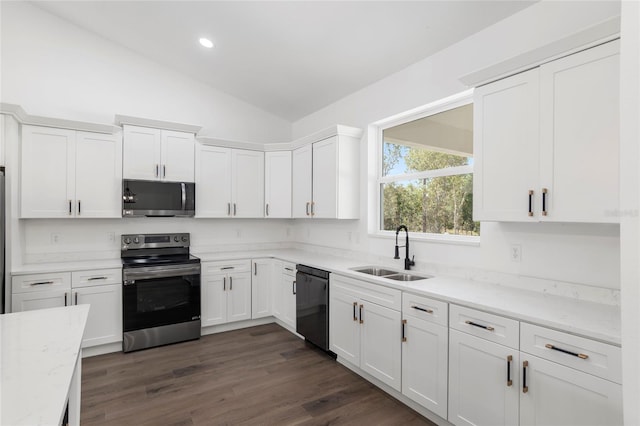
[66, 173]
[229, 182]
[546, 141]
[326, 177]
[154, 154]
[277, 184]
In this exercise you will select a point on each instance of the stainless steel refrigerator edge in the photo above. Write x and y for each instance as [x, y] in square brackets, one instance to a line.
[2, 242]
[312, 305]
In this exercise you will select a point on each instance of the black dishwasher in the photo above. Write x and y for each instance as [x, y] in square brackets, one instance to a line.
[312, 305]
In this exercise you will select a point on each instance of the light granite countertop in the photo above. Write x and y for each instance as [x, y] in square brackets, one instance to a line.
[39, 351]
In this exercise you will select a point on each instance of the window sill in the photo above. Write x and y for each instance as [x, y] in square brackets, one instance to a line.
[460, 240]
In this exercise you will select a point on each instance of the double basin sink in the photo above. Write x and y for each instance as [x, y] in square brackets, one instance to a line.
[389, 274]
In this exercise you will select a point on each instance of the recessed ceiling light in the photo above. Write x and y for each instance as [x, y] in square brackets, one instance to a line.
[206, 43]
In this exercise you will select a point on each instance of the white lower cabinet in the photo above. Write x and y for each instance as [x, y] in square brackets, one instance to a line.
[226, 292]
[425, 352]
[365, 328]
[100, 288]
[261, 288]
[284, 294]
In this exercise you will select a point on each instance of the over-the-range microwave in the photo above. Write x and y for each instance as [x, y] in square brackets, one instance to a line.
[158, 199]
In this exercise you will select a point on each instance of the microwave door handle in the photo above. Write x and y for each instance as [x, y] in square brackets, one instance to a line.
[184, 195]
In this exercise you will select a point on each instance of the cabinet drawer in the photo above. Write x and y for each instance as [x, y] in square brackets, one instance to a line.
[41, 282]
[226, 267]
[96, 277]
[289, 268]
[495, 328]
[599, 359]
[383, 296]
[424, 308]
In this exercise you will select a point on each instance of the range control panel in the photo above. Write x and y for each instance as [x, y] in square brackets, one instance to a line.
[146, 241]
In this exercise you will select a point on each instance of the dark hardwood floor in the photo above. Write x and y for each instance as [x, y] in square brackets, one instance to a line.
[257, 376]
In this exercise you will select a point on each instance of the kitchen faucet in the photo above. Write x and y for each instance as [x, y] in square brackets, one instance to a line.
[408, 263]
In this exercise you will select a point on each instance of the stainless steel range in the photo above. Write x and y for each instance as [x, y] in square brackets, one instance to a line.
[161, 290]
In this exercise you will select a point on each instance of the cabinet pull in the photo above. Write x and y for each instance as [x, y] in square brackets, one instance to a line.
[267, 210]
[307, 209]
[65, 299]
[544, 201]
[224, 268]
[486, 327]
[509, 361]
[360, 312]
[525, 388]
[293, 287]
[157, 170]
[230, 283]
[224, 283]
[76, 297]
[530, 202]
[96, 278]
[564, 351]
[79, 208]
[404, 338]
[312, 212]
[164, 170]
[70, 208]
[355, 305]
[234, 209]
[255, 269]
[429, 311]
[288, 269]
[228, 209]
[41, 283]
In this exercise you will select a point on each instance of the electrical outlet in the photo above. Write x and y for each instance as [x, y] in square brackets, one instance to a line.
[111, 237]
[55, 238]
[516, 252]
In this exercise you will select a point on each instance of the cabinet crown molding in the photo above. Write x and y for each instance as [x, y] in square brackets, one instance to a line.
[122, 120]
[21, 116]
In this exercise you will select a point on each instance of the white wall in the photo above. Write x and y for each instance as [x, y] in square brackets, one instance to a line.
[53, 68]
[574, 253]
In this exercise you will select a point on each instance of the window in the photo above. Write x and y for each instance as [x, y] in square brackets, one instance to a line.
[426, 174]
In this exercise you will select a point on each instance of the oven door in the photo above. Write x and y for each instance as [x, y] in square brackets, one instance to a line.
[154, 296]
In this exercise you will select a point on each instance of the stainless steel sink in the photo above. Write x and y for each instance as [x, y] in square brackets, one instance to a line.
[405, 277]
[378, 272]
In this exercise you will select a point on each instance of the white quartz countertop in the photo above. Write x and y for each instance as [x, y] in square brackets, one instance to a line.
[39, 351]
[82, 265]
[588, 319]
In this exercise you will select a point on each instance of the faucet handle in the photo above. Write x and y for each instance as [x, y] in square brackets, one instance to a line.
[413, 261]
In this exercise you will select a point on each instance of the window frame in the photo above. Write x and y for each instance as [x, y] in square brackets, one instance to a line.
[377, 131]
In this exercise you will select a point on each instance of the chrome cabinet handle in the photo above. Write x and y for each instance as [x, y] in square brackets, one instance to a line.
[564, 351]
[509, 361]
[41, 283]
[164, 171]
[404, 337]
[429, 311]
[293, 287]
[234, 209]
[360, 313]
[307, 209]
[65, 299]
[525, 388]
[486, 327]
[289, 269]
[76, 297]
[79, 208]
[228, 209]
[224, 283]
[544, 201]
[230, 283]
[70, 208]
[224, 268]
[267, 209]
[255, 269]
[157, 170]
[355, 305]
[96, 278]
[530, 202]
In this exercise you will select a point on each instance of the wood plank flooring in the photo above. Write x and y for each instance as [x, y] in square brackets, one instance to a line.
[256, 376]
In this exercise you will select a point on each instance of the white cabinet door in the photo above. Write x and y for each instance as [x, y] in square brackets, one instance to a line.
[214, 299]
[277, 290]
[98, 162]
[141, 153]
[580, 132]
[277, 185]
[559, 395]
[177, 154]
[302, 182]
[213, 181]
[381, 344]
[479, 392]
[425, 360]
[344, 325]
[247, 183]
[288, 315]
[47, 172]
[39, 300]
[104, 324]
[261, 283]
[325, 179]
[506, 149]
[238, 297]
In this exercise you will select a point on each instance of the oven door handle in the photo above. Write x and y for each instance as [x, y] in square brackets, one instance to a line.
[151, 272]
